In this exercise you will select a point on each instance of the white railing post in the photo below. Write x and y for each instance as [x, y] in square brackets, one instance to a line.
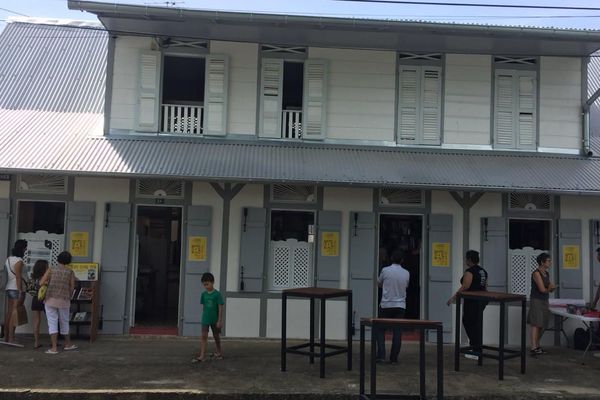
[182, 119]
[291, 124]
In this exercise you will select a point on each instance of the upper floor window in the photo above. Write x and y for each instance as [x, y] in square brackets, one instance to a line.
[293, 94]
[419, 99]
[515, 103]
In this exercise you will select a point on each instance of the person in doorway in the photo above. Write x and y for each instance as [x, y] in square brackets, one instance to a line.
[37, 306]
[212, 317]
[474, 278]
[539, 312]
[60, 283]
[15, 288]
[393, 280]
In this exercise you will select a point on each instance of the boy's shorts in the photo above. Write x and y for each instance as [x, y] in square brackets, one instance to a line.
[212, 327]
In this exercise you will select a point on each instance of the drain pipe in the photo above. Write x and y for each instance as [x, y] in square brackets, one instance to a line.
[586, 131]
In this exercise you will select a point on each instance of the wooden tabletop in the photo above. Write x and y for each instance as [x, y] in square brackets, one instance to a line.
[317, 292]
[493, 296]
[398, 321]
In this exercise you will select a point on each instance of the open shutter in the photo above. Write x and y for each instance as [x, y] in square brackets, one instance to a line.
[408, 118]
[271, 94]
[570, 273]
[328, 249]
[594, 244]
[198, 221]
[4, 229]
[80, 230]
[315, 99]
[252, 249]
[113, 266]
[148, 92]
[362, 265]
[440, 272]
[215, 95]
[431, 99]
[504, 114]
[494, 252]
[527, 107]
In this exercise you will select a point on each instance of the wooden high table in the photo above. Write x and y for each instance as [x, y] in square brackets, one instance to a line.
[503, 353]
[322, 294]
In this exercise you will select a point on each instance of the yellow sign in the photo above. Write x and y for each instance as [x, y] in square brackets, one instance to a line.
[440, 254]
[85, 271]
[78, 244]
[330, 244]
[570, 257]
[197, 248]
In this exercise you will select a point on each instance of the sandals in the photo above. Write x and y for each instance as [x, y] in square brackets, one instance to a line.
[536, 351]
[216, 356]
[71, 347]
[50, 351]
[198, 360]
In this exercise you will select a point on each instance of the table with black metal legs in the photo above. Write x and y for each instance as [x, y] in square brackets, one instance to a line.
[502, 352]
[322, 294]
[390, 323]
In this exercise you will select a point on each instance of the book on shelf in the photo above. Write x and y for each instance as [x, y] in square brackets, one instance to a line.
[85, 293]
[74, 294]
[80, 316]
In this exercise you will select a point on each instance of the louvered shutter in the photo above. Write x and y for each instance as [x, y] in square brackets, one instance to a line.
[148, 92]
[526, 109]
[315, 99]
[504, 110]
[271, 93]
[215, 95]
[431, 98]
[409, 98]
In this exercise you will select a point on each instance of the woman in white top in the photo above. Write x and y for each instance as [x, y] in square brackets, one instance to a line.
[15, 287]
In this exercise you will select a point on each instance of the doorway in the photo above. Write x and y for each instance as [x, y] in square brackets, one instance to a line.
[156, 287]
[527, 239]
[405, 233]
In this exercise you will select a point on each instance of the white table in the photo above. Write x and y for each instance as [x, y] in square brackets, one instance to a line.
[563, 315]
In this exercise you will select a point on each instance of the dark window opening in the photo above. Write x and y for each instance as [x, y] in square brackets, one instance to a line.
[293, 85]
[297, 225]
[529, 233]
[183, 80]
[41, 216]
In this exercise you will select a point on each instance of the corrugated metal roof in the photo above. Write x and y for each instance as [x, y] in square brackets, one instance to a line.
[52, 68]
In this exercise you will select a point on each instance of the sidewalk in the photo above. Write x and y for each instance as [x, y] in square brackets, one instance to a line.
[160, 368]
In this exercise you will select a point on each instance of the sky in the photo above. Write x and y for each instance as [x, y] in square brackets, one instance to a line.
[589, 19]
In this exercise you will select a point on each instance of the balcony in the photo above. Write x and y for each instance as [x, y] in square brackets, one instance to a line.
[183, 119]
[291, 124]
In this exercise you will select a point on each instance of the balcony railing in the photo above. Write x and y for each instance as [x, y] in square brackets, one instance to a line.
[291, 124]
[183, 119]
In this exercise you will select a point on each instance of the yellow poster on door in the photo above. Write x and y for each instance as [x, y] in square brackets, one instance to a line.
[440, 254]
[197, 248]
[570, 258]
[330, 244]
[78, 244]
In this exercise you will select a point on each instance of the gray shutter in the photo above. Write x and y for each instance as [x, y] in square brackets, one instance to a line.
[114, 266]
[81, 218]
[215, 95]
[440, 277]
[527, 110]
[252, 248]
[328, 266]
[594, 244]
[494, 252]
[148, 91]
[431, 100]
[4, 229]
[570, 279]
[362, 265]
[198, 221]
[271, 95]
[504, 110]
[315, 99]
[408, 119]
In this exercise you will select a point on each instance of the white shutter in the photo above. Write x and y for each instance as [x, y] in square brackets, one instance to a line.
[315, 99]
[504, 115]
[215, 95]
[148, 92]
[431, 98]
[271, 93]
[408, 105]
[527, 108]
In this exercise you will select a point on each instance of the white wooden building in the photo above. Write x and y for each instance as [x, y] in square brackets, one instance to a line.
[279, 151]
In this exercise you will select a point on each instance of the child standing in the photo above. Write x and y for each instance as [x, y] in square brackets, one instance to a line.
[212, 317]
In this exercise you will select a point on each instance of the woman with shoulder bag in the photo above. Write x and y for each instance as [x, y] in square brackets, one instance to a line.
[37, 306]
[15, 288]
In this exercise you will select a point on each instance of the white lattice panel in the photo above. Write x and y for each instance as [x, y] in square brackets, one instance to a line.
[522, 264]
[301, 269]
[291, 264]
[41, 245]
[281, 265]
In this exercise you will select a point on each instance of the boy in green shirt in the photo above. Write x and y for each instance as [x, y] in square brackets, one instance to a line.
[212, 317]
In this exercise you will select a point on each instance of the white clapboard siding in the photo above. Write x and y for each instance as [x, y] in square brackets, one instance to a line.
[315, 98]
[271, 94]
[148, 91]
[215, 95]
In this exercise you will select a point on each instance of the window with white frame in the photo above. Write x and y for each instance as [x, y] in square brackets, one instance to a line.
[419, 99]
[515, 103]
[292, 94]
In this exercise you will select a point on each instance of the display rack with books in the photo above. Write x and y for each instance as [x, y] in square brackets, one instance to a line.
[84, 302]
